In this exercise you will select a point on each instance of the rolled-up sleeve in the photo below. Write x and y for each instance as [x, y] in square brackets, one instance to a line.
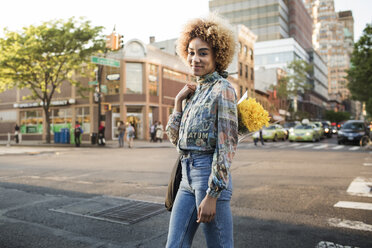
[173, 127]
[227, 133]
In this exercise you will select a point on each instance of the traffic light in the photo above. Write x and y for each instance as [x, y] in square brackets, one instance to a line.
[121, 41]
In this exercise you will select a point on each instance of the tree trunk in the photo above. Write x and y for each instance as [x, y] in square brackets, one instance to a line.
[47, 121]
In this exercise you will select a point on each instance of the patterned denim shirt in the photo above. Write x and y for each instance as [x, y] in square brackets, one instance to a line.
[209, 124]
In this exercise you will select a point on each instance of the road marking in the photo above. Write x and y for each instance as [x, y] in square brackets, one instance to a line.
[293, 145]
[354, 148]
[305, 146]
[367, 164]
[353, 205]
[360, 187]
[357, 225]
[321, 146]
[325, 244]
[338, 147]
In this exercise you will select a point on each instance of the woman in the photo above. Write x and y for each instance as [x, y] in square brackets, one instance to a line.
[130, 135]
[159, 132]
[121, 130]
[206, 134]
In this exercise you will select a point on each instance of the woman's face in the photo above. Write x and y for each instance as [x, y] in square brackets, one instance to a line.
[200, 57]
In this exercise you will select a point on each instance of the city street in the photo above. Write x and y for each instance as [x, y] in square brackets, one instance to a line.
[284, 196]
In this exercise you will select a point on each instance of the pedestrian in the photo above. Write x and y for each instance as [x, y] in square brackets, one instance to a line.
[130, 135]
[77, 133]
[207, 138]
[261, 138]
[153, 132]
[121, 130]
[159, 132]
[101, 134]
[16, 133]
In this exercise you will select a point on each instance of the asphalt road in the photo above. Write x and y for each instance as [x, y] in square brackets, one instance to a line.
[284, 196]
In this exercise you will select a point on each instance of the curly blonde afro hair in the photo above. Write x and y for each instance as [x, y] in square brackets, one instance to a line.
[214, 30]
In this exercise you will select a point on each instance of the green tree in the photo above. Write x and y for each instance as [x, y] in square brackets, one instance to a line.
[294, 82]
[360, 72]
[337, 117]
[41, 58]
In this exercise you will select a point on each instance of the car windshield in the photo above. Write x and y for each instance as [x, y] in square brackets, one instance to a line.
[353, 126]
[289, 124]
[270, 128]
[317, 124]
[303, 127]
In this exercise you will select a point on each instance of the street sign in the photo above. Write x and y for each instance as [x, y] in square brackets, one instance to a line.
[104, 89]
[93, 83]
[113, 77]
[104, 61]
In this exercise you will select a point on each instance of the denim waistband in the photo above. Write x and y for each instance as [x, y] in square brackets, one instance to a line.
[195, 152]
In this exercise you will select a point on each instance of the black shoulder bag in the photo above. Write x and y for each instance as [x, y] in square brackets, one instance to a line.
[173, 184]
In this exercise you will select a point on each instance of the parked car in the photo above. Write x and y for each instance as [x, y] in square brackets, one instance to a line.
[273, 132]
[352, 131]
[288, 126]
[327, 126]
[319, 128]
[304, 132]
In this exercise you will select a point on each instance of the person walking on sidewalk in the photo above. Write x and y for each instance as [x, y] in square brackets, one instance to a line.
[205, 132]
[159, 132]
[261, 138]
[121, 130]
[130, 135]
[16, 133]
[77, 133]
[153, 132]
[101, 134]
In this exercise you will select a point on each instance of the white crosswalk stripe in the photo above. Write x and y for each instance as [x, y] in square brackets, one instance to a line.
[293, 145]
[304, 146]
[338, 147]
[353, 205]
[354, 148]
[320, 147]
[357, 225]
[367, 164]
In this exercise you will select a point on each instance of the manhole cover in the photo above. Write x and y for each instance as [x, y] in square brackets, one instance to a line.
[113, 209]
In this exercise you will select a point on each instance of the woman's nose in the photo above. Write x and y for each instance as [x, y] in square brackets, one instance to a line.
[196, 58]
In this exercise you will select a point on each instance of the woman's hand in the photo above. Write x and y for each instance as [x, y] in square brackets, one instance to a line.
[184, 92]
[207, 209]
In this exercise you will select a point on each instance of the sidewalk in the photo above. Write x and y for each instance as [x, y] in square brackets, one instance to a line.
[38, 147]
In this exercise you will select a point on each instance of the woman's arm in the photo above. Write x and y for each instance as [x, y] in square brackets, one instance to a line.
[227, 141]
[174, 121]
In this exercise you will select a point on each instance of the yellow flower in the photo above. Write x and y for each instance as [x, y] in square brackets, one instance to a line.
[251, 116]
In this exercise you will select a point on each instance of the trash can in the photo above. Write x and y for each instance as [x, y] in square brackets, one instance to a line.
[65, 136]
[93, 138]
[57, 137]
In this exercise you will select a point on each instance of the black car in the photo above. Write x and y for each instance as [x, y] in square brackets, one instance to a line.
[352, 131]
[327, 127]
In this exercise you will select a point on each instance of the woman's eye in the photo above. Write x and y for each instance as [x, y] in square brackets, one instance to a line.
[191, 53]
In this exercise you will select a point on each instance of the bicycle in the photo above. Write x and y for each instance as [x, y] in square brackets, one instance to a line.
[365, 142]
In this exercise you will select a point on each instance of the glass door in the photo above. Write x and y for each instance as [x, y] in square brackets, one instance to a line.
[115, 125]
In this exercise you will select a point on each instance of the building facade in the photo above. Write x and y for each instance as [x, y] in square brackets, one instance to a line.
[330, 42]
[148, 82]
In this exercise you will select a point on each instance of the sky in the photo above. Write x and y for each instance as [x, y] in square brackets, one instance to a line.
[136, 19]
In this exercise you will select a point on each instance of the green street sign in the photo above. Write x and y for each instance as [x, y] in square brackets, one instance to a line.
[93, 83]
[104, 61]
[104, 89]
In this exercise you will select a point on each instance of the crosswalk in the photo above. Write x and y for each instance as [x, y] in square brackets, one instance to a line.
[300, 146]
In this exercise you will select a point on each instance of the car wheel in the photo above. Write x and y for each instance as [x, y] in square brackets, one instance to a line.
[275, 138]
[339, 142]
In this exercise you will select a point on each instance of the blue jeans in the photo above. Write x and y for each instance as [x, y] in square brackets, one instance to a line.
[196, 169]
[121, 139]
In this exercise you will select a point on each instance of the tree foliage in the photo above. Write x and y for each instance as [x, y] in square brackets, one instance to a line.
[41, 57]
[337, 117]
[360, 73]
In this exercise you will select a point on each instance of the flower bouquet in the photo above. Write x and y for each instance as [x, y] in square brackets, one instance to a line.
[251, 116]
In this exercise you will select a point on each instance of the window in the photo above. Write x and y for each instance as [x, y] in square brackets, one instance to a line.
[240, 69]
[83, 117]
[246, 71]
[241, 91]
[153, 80]
[31, 121]
[110, 87]
[60, 118]
[170, 74]
[134, 78]
[251, 53]
[8, 115]
[252, 72]
[245, 51]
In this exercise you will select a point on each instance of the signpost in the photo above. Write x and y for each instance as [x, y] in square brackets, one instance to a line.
[102, 88]
[104, 61]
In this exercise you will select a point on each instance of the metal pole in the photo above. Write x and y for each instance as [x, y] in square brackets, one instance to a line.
[8, 144]
[99, 75]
